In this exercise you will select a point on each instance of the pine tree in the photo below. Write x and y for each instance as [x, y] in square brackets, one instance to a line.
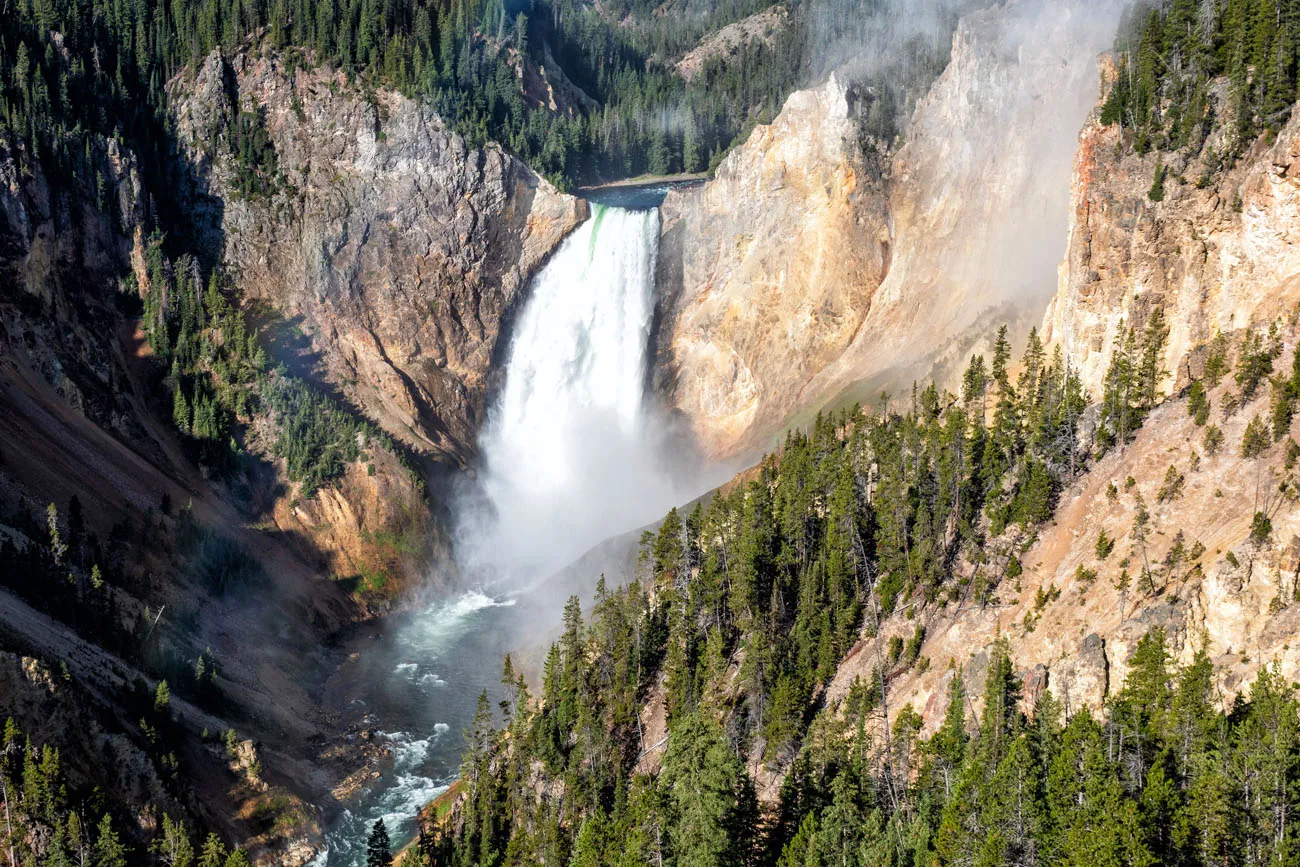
[713, 798]
[1150, 373]
[1254, 444]
[109, 851]
[1117, 403]
[949, 742]
[1157, 191]
[1001, 718]
[173, 847]
[378, 853]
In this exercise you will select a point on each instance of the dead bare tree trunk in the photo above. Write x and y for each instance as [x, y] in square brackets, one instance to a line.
[9, 824]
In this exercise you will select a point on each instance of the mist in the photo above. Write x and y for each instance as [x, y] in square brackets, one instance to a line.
[981, 191]
[574, 451]
[576, 455]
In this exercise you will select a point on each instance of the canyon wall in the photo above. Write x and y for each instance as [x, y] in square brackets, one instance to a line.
[1216, 254]
[379, 257]
[767, 271]
[397, 250]
[818, 266]
[809, 271]
[1070, 617]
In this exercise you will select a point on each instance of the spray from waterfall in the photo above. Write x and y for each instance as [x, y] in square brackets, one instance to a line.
[573, 452]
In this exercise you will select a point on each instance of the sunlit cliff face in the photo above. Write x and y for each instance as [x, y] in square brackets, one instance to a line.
[812, 262]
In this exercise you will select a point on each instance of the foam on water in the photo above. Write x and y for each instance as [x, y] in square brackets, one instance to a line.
[438, 628]
[414, 778]
[404, 794]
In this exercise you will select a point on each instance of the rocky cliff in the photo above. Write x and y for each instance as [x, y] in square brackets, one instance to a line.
[768, 270]
[1220, 252]
[387, 247]
[815, 261]
[398, 251]
[1217, 253]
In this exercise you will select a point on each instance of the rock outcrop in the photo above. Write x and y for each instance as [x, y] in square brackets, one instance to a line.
[399, 251]
[1219, 253]
[761, 27]
[768, 270]
[371, 524]
[812, 268]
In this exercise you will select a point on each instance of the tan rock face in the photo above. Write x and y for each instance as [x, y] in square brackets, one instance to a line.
[371, 523]
[1220, 258]
[770, 268]
[808, 266]
[399, 251]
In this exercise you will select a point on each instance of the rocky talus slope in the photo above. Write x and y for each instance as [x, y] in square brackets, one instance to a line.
[815, 260]
[398, 251]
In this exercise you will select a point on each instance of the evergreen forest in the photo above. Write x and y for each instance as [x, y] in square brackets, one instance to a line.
[1187, 69]
[77, 73]
[746, 606]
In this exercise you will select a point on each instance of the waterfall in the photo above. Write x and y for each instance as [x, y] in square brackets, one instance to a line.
[572, 453]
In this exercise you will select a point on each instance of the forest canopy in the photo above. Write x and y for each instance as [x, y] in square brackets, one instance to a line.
[76, 70]
[1172, 57]
[745, 607]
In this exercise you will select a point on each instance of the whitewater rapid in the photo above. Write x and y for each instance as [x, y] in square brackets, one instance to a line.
[417, 690]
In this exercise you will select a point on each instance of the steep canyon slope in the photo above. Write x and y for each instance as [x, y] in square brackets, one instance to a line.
[1216, 253]
[812, 263]
[1076, 612]
[379, 258]
[1219, 253]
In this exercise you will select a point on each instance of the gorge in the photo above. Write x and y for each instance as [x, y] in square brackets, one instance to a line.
[573, 453]
[937, 432]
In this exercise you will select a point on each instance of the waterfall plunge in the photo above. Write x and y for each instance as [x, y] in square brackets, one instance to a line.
[572, 453]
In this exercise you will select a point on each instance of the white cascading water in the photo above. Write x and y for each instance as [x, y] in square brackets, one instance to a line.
[571, 452]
